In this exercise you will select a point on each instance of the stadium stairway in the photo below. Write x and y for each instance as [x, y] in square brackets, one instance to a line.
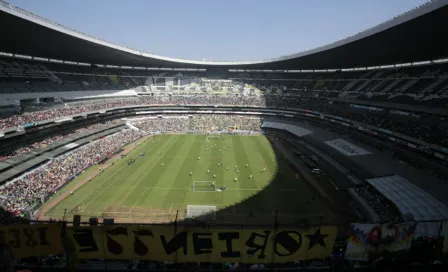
[128, 123]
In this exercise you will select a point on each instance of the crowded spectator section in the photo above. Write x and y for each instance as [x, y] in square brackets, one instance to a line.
[26, 147]
[36, 185]
[201, 123]
[423, 127]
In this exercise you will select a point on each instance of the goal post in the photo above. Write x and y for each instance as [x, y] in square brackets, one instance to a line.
[201, 212]
[203, 186]
[213, 135]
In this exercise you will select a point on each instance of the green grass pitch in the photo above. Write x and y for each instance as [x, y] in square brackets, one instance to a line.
[159, 184]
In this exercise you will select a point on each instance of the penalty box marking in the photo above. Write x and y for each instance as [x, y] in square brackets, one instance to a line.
[180, 206]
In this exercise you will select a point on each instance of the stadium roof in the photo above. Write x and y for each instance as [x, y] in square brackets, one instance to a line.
[409, 199]
[417, 35]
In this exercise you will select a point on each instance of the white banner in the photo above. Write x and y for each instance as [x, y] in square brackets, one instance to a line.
[366, 238]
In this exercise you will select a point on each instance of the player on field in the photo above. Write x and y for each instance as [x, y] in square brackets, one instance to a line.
[191, 173]
[250, 177]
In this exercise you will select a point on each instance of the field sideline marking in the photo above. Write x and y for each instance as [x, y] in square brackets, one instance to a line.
[144, 191]
[90, 202]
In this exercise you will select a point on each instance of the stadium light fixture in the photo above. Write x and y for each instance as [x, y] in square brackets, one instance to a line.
[22, 56]
[421, 63]
[441, 61]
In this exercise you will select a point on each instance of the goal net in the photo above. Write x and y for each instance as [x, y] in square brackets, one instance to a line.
[203, 186]
[200, 212]
[213, 135]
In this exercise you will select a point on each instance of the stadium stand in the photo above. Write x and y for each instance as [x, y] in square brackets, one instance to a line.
[61, 115]
[21, 192]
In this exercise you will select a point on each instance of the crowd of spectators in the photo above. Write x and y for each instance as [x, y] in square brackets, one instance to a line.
[425, 128]
[68, 110]
[24, 148]
[199, 122]
[94, 105]
[377, 202]
[23, 191]
[432, 133]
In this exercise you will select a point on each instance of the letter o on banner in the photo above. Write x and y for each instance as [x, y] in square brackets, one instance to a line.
[287, 243]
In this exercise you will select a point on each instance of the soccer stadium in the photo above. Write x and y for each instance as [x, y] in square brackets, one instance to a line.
[332, 159]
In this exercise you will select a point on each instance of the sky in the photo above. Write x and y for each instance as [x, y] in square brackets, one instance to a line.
[219, 30]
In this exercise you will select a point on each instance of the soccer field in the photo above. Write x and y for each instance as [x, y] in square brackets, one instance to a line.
[159, 186]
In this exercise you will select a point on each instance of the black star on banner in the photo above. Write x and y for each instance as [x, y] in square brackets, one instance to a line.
[316, 238]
